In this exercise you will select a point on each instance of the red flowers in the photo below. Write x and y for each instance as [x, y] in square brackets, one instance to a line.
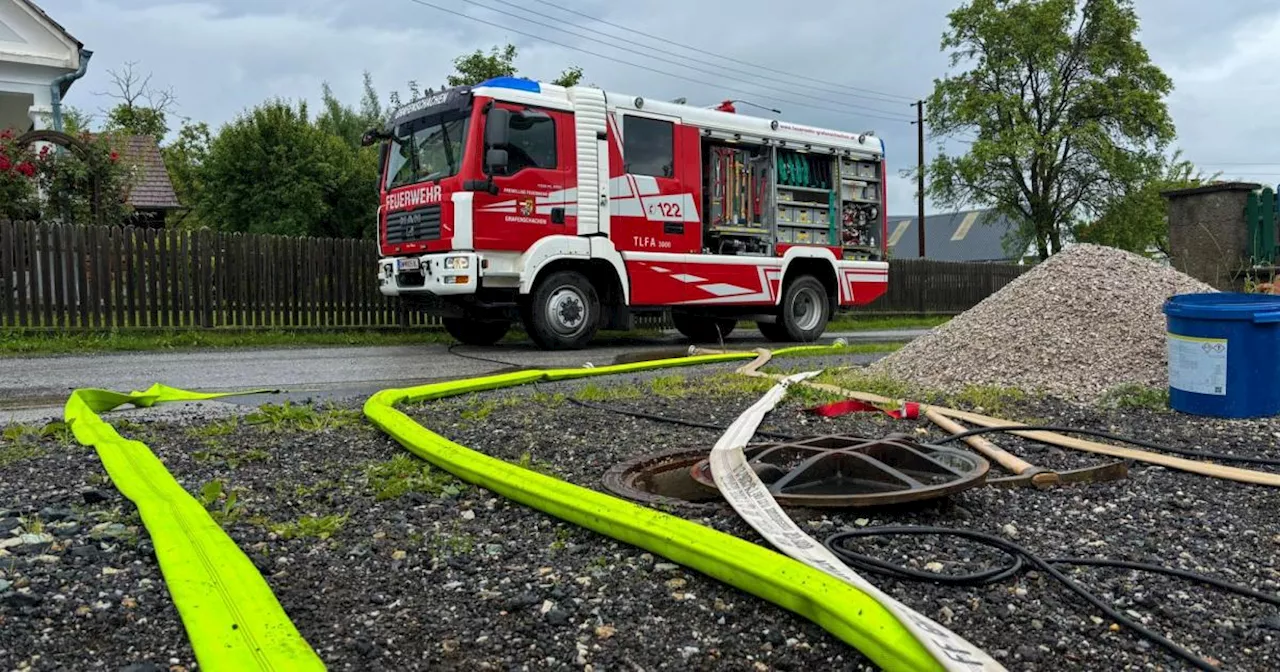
[5, 165]
[44, 151]
[6, 134]
[27, 169]
[115, 156]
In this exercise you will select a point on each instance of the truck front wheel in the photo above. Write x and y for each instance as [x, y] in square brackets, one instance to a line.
[563, 312]
[804, 312]
[476, 332]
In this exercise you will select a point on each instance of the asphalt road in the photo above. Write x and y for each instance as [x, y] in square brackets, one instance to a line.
[33, 388]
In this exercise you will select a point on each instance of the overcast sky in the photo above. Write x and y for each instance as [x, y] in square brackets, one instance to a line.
[222, 56]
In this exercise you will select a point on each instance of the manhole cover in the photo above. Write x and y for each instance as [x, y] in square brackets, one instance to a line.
[849, 471]
[822, 471]
[661, 478]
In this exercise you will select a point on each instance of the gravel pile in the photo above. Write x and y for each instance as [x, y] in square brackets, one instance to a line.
[1086, 320]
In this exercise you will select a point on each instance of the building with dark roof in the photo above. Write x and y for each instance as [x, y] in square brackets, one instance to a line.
[971, 235]
[151, 193]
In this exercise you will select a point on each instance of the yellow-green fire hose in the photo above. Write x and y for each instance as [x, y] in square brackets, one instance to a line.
[234, 621]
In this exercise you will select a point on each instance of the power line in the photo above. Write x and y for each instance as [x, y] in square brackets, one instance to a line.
[671, 61]
[636, 65]
[754, 74]
[895, 97]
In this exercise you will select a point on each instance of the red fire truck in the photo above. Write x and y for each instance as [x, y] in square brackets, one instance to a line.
[573, 209]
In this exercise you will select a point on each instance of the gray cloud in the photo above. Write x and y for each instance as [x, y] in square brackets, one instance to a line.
[223, 56]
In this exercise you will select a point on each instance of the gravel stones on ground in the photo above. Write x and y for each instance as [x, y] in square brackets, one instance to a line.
[416, 570]
[80, 588]
[1086, 320]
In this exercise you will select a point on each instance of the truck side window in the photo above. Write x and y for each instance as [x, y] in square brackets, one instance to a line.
[533, 141]
[648, 147]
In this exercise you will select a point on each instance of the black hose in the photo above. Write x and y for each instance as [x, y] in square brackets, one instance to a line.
[480, 358]
[1021, 560]
[1113, 437]
[672, 421]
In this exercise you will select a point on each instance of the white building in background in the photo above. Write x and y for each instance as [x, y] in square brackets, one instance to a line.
[39, 60]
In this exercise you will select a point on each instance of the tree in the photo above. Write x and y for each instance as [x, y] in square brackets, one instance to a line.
[183, 160]
[477, 66]
[1067, 109]
[273, 171]
[571, 76]
[1136, 220]
[142, 109]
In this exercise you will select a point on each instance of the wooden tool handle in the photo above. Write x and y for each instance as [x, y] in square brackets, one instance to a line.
[1005, 459]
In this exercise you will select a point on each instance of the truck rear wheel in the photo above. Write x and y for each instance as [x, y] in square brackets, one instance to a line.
[803, 315]
[563, 312]
[476, 332]
[702, 329]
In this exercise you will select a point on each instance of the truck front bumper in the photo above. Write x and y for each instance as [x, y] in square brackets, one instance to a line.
[440, 274]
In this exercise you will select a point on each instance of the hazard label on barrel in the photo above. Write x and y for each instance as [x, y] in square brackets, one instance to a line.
[1198, 365]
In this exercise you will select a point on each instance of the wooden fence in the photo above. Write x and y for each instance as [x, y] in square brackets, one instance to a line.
[55, 276]
[924, 287]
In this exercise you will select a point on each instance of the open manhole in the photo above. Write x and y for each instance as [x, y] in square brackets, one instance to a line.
[820, 471]
[661, 478]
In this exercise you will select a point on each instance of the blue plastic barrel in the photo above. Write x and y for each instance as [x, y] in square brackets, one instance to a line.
[1224, 354]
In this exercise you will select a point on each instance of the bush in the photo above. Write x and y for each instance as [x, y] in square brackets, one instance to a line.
[19, 167]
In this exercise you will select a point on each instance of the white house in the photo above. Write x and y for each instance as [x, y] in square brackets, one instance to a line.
[39, 60]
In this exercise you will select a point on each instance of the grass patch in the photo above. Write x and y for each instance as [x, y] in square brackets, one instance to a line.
[309, 526]
[527, 462]
[302, 417]
[23, 442]
[601, 393]
[855, 323]
[847, 349]
[670, 386]
[1134, 396]
[986, 399]
[861, 381]
[405, 473]
[18, 343]
[21, 343]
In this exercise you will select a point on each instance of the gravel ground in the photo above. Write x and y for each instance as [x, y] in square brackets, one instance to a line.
[386, 564]
[1085, 321]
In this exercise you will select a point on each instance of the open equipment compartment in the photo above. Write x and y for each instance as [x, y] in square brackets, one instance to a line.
[758, 196]
[737, 194]
[861, 186]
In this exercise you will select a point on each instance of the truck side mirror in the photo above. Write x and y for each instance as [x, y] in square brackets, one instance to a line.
[495, 161]
[370, 136]
[497, 128]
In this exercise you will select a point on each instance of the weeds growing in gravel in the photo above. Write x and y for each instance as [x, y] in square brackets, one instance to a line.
[303, 418]
[986, 399]
[22, 442]
[310, 526]
[405, 473]
[527, 462]
[223, 504]
[601, 393]
[218, 451]
[1133, 396]
[215, 429]
[861, 381]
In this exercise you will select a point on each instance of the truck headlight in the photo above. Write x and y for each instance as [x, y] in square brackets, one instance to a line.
[456, 263]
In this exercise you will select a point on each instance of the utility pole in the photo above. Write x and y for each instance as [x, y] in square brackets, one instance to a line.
[919, 105]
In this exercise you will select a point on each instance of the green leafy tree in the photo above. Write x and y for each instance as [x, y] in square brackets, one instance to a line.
[1136, 220]
[571, 76]
[76, 120]
[273, 171]
[1066, 106]
[184, 159]
[478, 66]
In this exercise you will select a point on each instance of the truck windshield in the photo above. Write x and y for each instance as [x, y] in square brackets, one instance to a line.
[427, 151]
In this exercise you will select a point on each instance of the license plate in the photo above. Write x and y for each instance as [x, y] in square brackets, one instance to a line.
[408, 264]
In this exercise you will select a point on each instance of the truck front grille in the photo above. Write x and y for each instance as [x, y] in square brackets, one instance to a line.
[414, 225]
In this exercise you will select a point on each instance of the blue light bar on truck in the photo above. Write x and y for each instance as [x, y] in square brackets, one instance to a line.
[517, 83]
